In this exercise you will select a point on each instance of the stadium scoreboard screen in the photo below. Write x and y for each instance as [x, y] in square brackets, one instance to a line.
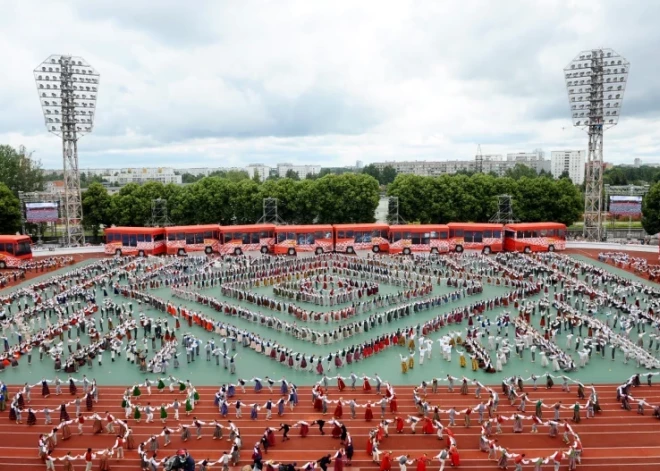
[41, 212]
[626, 205]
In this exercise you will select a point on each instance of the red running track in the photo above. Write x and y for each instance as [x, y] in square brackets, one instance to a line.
[615, 438]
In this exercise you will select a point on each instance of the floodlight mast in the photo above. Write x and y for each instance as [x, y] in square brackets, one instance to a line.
[68, 88]
[595, 81]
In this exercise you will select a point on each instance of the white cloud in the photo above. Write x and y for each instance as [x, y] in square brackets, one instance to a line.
[228, 83]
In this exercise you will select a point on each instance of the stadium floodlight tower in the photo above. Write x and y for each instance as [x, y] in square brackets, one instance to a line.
[68, 88]
[595, 81]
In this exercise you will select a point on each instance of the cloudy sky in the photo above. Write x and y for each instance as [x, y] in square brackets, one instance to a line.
[329, 82]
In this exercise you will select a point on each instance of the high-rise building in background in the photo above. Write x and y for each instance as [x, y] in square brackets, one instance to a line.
[570, 161]
[263, 171]
[301, 170]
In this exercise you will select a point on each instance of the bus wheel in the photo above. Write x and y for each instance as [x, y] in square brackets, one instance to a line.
[406, 251]
[291, 251]
[318, 251]
[141, 253]
[264, 249]
[486, 251]
[118, 252]
[3, 265]
[181, 252]
[551, 248]
[350, 250]
[238, 251]
[208, 250]
[459, 249]
[527, 250]
[375, 249]
[434, 250]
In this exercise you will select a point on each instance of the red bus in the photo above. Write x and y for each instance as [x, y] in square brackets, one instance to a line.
[139, 241]
[293, 239]
[352, 237]
[180, 240]
[238, 239]
[14, 249]
[535, 237]
[430, 238]
[486, 237]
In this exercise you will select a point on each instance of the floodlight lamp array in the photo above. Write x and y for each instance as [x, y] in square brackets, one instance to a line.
[596, 82]
[68, 89]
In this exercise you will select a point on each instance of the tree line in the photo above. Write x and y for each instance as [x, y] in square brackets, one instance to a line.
[234, 198]
[215, 200]
[473, 198]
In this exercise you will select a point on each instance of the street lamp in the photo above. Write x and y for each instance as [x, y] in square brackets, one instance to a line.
[595, 81]
[68, 88]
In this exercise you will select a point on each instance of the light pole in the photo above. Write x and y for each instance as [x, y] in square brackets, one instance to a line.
[68, 88]
[595, 80]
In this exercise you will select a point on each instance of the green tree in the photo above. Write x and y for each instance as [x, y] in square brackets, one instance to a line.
[287, 193]
[96, 204]
[10, 211]
[520, 171]
[346, 198]
[237, 175]
[19, 171]
[651, 210]
[190, 178]
[292, 174]
[373, 171]
[387, 176]
[131, 206]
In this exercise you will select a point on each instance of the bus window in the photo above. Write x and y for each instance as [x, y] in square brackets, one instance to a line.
[510, 234]
[207, 235]
[396, 237]
[350, 234]
[23, 248]
[433, 235]
[281, 237]
[124, 240]
[341, 235]
[467, 236]
[478, 237]
[359, 237]
[199, 238]
[456, 233]
[561, 233]
[180, 236]
[444, 235]
[190, 238]
[171, 236]
[254, 238]
[488, 234]
[2, 246]
[140, 237]
[133, 240]
[147, 237]
[9, 248]
[497, 234]
[520, 234]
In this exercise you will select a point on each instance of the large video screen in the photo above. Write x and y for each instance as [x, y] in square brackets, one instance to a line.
[41, 212]
[626, 205]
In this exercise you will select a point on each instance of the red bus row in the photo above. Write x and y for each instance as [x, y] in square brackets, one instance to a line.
[344, 238]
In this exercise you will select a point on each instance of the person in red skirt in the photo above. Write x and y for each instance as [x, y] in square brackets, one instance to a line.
[304, 428]
[341, 385]
[368, 413]
[366, 386]
[399, 424]
[339, 411]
